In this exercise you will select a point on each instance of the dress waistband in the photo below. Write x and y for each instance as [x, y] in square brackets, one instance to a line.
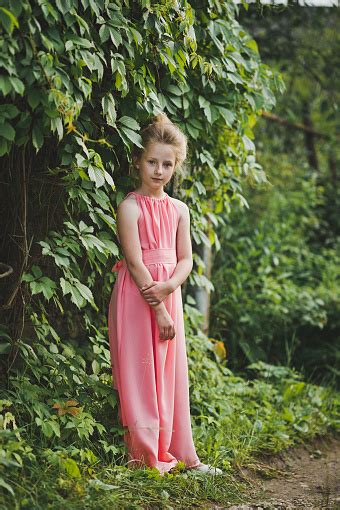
[152, 256]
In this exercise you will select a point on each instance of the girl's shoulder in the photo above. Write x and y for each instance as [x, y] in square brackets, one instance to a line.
[182, 207]
[128, 205]
[128, 199]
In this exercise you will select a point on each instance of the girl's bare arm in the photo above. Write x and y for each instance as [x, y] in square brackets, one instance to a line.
[183, 248]
[127, 216]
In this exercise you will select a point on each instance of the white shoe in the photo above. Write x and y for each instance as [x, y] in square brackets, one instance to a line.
[206, 468]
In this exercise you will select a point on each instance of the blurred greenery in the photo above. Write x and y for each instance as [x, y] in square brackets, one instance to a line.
[276, 278]
[276, 294]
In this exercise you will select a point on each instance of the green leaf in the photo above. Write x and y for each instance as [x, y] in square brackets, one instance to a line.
[95, 367]
[104, 33]
[252, 44]
[129, 122]
[84, 291]
[74, 41]
[34, 97]
[133, 136]
[96, 175]
[109, 179]
[203, 102]
[8, 20]
[18, 85]
[98, 484]
[5, 85]
[6, 486]
[5, 348]
[78, 381]
[177, 101]
[4, 147]
[55, 427]
[193, 132]
[37, 137]
[207, 112]
[70, 467]
[228, 115]
[57, 125]
[248, 144]
[116, 38]
[136, 36]
[44, 285]
[109, 110]
[7, 131]
[45, 427]
[65, 286]
[235, 78]
[174, 89]
[8, 111]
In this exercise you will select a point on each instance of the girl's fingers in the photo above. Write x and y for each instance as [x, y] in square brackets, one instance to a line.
[167, 333]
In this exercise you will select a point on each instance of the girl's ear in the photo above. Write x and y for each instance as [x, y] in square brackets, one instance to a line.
[135, 161]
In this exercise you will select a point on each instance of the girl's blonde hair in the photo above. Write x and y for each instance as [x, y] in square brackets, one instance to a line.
[162, 130]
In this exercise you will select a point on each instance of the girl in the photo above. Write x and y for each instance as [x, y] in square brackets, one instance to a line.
[145, 320]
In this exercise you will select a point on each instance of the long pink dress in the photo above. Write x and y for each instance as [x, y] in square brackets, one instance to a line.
[151, 375]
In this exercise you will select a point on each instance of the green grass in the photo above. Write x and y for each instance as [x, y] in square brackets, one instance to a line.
[234, 420]
[117, 487]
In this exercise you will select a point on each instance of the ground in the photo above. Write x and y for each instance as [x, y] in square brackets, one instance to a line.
[305, 477]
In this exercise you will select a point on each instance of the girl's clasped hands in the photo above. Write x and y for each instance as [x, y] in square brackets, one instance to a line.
[154, 293]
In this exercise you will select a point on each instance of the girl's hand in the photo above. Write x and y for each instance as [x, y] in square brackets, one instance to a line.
[155, 292]
[165, 324]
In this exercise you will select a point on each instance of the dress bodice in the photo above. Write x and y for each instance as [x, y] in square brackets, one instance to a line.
[157, 222]
[157, 226]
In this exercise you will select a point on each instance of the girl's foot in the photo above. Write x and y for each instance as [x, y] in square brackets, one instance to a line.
[206, 468]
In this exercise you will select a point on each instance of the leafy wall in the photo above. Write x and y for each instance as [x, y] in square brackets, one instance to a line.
[78, 80]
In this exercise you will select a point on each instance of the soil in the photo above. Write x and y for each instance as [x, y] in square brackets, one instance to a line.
[304, 477]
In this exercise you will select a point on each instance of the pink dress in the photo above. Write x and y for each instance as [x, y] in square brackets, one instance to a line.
[151, 375]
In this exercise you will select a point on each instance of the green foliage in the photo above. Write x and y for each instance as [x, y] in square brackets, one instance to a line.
[75, 95]
[270, 262]
[79, 80]
[267, 411]
[234, 419]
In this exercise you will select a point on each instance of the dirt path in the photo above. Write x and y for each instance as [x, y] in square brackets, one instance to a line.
[305, 477]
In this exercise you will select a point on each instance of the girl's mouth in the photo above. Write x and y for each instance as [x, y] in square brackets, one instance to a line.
[155, 179]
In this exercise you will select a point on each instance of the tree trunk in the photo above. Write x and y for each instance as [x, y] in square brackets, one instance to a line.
[202, 295]
[310, 138]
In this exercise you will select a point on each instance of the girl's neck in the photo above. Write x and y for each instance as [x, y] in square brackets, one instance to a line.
[159, 194]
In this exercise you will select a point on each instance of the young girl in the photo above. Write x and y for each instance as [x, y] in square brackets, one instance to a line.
[145, 320]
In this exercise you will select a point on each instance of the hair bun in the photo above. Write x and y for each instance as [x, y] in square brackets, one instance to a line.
[160, 117]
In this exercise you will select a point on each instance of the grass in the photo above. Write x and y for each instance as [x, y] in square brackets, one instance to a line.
[234, 421]
[117, 487]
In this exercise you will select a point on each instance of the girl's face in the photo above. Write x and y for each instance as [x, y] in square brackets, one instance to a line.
[156, 165]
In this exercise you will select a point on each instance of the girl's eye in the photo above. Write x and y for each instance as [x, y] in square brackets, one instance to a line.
[166, 164]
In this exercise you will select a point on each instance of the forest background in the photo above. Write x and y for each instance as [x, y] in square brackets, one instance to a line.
[256, 92]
